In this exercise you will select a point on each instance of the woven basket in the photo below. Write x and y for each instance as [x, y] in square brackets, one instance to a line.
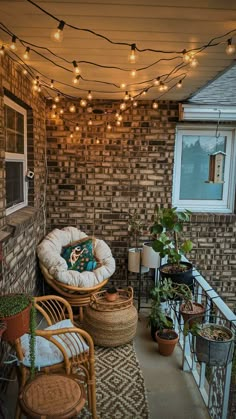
[124, 300]
[111, 328]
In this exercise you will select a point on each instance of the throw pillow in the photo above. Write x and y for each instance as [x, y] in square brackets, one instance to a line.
[79, 256]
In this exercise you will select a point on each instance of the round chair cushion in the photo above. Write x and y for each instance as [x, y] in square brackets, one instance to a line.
[49, 253]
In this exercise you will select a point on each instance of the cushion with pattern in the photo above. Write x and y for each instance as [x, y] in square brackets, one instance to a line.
[79, 256]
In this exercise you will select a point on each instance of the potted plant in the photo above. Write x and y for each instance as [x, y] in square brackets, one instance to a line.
[169, 243]
[157, 319]
[214, 344]
[111, 294]
[135, 228]
[166, 340]
[17, 312]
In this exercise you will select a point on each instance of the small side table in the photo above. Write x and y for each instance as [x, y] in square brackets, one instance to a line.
[52, 396]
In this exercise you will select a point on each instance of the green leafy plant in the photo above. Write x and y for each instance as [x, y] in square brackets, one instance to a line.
[167, 230]
[13, 304]
[157, 318]
[135, 226]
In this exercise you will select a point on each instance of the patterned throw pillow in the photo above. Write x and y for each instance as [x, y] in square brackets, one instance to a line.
[79, 256]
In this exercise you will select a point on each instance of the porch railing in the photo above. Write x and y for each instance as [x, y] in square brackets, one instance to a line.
[213, 382]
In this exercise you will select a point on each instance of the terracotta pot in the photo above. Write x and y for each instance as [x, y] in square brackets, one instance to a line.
[154, 329]
[195, 315]
[17, 325]
[166, 346]
[111, 296]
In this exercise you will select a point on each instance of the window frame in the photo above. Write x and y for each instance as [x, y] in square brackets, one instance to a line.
[226, 205]
[18, 157]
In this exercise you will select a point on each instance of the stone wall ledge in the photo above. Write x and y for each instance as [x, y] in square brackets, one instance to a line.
[213, 218]
[21, 219]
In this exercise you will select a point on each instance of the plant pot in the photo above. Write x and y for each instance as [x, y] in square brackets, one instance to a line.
[134, 255]
[111, 296]
[185, 277]
[193, 315]
[211, 351]
[150, 258]
[166, 340]
[17, 325]
[155, 329]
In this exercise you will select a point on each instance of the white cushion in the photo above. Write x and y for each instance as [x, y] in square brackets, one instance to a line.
[46, 353]
[49, 253]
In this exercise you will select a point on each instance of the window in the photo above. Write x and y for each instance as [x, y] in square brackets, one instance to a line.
[15, 155]
[192, 188]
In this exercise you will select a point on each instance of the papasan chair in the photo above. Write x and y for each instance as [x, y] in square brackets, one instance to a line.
[75, 265]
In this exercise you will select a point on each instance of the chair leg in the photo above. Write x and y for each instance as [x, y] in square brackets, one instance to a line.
[18, 411]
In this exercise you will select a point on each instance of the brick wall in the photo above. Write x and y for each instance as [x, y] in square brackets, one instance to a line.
[95, 177]
[21, 231]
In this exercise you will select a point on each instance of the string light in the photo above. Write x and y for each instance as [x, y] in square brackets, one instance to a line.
[123, 106]
[89, 96]
[133, 73]
[72, 108]
[24, 71]
[132, 58]
[52, 84]
[108, 126]
[13, 43]
[83, 103]
[126, 96]
[186, 56]
[57, 98]
[77, 128]
[57, 35]
[179, 84]
[123, 86]
[62, 111]
[26, 53]
[2, 50]
[154, 104]
[71, 135]
[76, 79]
[118, 123]
[157, 81]
[193, 62]
[230, 49]
[90, 122]
[135, 103]
[76, 68]
[54, 106]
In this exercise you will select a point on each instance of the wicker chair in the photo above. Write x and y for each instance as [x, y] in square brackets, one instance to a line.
[74, 345]
[78, 297]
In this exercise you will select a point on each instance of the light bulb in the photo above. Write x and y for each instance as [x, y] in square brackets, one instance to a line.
[135, 103]
[126, 96]
[144, 93]
[90, 122]
[76, 68]
[122, 106]
[13, 43]
[193, 62]
[83, 103]
[26, 53]
[132, 57]
[108, 126]
[120, 117]
[71, 135]
[54, 106]
[2, 50]
[76, 79]
[57, 34]
[123, 86]
[133, 73]
[52, 84]
[35, 87]
[77, 127]
[72, 108]
[117, 114]
[39, 88]
[24, 71]
[89, 96]
[154, 104]
[57, 98]
[54, 115]
[186, 56]
[161, 87]
[157, 81]
[230, 49]
[165, 87]
[118, 123]
[179, 84]
[61, 111]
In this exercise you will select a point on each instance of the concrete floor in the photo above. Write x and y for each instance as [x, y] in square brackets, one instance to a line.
[172, 393]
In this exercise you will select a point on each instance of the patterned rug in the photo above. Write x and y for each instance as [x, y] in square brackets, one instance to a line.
[120, 386]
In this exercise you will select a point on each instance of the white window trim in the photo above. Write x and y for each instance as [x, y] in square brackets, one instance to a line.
[227, 203]
[15, 157]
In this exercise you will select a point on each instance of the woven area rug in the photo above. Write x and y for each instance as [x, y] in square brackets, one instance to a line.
[120, 388]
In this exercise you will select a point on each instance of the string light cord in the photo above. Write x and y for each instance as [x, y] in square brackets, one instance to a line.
[209, 44]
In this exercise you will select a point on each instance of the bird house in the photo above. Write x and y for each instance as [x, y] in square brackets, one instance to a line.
[216, 167]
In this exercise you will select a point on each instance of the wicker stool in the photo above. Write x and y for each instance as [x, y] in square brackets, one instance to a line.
[111, 323]
[52, 396]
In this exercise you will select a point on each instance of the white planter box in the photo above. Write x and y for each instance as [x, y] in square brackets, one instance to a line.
[150, 258]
